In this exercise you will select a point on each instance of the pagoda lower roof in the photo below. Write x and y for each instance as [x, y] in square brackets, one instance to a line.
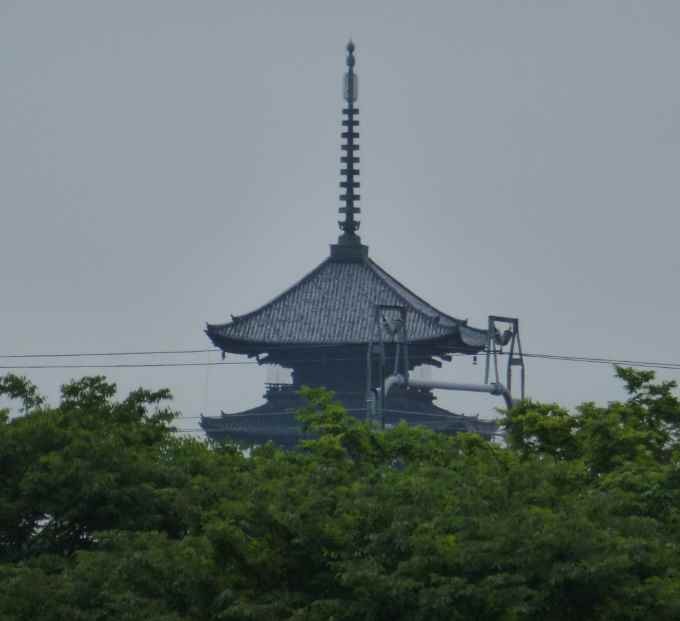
[333, 305]
[268, 422]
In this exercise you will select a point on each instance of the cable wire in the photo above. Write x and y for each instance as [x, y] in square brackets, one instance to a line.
[138, 365]
[161, 352]
[181, 352]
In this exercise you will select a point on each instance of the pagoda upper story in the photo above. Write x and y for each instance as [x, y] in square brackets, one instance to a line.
[332, 305]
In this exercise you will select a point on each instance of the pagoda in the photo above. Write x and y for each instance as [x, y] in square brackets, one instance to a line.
[320, 329]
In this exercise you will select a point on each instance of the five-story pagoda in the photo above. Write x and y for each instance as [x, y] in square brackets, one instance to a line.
[320, 329]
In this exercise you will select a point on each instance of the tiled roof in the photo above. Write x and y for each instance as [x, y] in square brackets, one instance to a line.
[333, 304]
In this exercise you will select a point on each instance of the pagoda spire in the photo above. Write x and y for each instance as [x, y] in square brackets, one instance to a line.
[350, 158]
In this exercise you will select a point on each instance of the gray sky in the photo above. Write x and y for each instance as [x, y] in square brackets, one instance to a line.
[164, 164]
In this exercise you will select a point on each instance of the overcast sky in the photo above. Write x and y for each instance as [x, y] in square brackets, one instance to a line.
[164, 164]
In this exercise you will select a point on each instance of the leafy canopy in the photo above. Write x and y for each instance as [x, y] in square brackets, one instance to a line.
[106, 513]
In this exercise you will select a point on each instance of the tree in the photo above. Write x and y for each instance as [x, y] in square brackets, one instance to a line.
[107, 514]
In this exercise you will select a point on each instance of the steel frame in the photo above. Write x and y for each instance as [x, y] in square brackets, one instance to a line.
[397, 333]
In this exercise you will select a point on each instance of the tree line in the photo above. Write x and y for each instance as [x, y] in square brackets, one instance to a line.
[106, 513]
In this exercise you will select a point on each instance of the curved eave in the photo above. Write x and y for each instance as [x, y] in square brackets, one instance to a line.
[458, 340]
[332, 306]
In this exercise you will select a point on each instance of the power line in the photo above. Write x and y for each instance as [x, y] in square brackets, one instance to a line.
[94, 354]
[182, 352]
[162, 352]
[131, 365]
[137, 365]
[598, 360]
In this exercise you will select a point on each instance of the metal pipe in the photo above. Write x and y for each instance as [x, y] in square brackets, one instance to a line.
[493, 388]
[393, 380]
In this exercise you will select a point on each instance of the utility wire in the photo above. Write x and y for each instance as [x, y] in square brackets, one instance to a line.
[598, 360]
[136, 365]
[182, 352]
[114, 353]
[124, 365]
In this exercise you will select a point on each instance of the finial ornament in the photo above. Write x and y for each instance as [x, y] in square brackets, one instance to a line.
[351, 81]
[350, 157]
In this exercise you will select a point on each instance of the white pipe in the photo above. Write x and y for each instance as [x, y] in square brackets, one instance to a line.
[393, 380]
[492, 388]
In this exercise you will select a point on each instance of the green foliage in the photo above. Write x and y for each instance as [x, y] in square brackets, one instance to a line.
[643, 429]
[17, 387]
[106, 514]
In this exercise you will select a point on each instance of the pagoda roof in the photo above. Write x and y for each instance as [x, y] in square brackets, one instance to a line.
[334, 305]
